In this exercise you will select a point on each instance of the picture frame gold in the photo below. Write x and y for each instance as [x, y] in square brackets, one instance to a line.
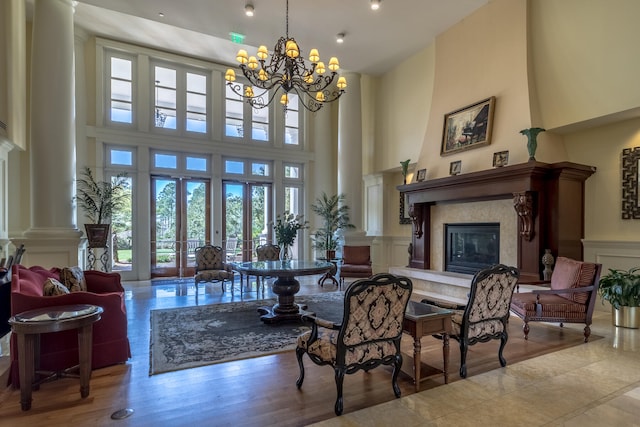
[469, 127]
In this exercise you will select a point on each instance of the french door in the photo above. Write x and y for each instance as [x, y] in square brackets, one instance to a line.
[247, 214]
[180, 218]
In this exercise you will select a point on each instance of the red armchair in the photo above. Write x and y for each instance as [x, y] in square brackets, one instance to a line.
[60, 350]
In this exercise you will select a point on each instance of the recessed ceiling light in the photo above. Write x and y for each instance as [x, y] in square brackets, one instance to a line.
[375, 4]
[161, 15]
[340, 38]
[248, 9]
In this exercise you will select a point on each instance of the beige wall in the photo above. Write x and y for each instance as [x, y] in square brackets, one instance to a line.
[560, 65]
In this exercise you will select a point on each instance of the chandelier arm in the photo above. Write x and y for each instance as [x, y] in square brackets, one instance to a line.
[237, 89]
[308, 101]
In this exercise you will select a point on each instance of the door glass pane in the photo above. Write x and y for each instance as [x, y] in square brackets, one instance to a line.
[260, 218]
[292, 204]
[165, 224]
[196, 224]
[234, 214]
[122, 232]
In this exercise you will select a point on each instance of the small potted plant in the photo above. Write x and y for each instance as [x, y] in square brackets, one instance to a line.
[99, 199]
[622, 289]
[336, 218]
[286, 228]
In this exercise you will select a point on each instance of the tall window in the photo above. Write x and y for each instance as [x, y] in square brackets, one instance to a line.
[292, 121]
[239, 116]
[196, 103]
[121, 90]
[166, 99]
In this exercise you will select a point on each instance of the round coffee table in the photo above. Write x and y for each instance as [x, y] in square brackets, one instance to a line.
[30, 324]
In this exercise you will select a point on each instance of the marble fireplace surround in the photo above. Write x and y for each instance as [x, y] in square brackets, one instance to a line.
[539, 206]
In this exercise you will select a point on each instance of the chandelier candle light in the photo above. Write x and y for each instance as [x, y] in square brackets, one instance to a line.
[286, 69]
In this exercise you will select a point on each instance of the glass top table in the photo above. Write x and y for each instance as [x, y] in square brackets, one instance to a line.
[285, 286]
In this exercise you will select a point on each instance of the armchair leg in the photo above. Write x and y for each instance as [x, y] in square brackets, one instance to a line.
[503, 343]
[299, 353]
[463, 358]
[397, 365]
[587, 332]
[339, 380]
[525, 329]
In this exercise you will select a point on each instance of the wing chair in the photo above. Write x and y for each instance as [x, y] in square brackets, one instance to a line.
[356, 262]
[210, 267]
[486, 315]
[368, 336]
[570, 299]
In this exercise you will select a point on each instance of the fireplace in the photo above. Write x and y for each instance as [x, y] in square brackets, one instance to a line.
[471, 247]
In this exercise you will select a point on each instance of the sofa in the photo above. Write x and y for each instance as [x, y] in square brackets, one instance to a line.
[60, 350]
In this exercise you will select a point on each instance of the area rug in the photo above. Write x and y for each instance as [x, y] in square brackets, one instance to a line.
[189, 337]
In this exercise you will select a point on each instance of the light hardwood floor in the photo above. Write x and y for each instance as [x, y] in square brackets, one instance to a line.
[261, 391]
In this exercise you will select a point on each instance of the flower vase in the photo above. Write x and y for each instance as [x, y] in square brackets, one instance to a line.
[286, 254]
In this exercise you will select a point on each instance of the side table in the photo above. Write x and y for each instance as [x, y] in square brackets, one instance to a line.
[331, 274]
[29, 325]
[419, 320]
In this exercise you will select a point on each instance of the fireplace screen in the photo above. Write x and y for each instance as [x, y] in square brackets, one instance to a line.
[471, 247]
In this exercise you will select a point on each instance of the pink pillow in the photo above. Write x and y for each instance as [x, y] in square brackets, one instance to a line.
[566, 274]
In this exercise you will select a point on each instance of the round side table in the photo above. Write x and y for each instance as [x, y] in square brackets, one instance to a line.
[30, 324]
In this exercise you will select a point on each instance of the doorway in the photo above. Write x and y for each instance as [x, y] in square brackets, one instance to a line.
[180, 218]
[247, 215]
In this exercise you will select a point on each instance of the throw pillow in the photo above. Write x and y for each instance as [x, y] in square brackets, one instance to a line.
[52, 287]
[73, 279]
[565, 275]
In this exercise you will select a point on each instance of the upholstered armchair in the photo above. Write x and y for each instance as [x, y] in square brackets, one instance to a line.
[356, 262]
[368, 336]
[571, 297]
[486, 315]
[210, 266]
[266, 252]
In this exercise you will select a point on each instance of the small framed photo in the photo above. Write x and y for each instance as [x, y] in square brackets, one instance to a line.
[455, 167]
[501, 158]
[422, 174]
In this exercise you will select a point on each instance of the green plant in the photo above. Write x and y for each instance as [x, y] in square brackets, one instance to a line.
[336, 217]
[100, 198]
[286, 227]
[621, 288]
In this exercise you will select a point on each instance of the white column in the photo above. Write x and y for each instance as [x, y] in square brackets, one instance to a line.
[350, 150]
[53, 237]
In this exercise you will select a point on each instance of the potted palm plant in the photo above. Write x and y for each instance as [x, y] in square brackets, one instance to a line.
[336, 218]
[99, 199]
[622, 289]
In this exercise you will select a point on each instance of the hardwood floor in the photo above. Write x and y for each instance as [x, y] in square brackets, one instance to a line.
[254, 392]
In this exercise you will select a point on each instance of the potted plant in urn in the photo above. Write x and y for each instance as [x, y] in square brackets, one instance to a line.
[622, 289]
[336, 218]
[286, 228]
[99, 199]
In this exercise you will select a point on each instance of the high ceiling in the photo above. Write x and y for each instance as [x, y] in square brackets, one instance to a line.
[374, 41]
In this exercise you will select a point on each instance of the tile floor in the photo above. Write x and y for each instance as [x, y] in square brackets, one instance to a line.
[591, 385]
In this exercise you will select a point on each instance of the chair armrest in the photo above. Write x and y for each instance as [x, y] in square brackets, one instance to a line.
[100, 282]
[315, 322]
[564, 291]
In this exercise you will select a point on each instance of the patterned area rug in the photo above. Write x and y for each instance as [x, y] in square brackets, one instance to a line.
[188, 337]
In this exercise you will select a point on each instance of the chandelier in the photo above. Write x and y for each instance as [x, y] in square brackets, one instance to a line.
[288, 71]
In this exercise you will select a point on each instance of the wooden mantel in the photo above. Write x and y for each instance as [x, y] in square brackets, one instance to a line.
[548, 197]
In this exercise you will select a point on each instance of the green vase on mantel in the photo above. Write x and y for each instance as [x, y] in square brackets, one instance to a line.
[532, 140]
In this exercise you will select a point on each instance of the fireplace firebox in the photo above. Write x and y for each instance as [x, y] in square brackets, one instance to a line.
[470, 247]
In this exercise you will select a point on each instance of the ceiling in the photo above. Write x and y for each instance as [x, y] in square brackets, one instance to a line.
[374, 41]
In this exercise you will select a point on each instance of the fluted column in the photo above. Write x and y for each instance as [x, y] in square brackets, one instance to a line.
[53, 228]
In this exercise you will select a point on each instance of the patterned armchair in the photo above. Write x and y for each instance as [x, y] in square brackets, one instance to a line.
[486, 315]
[266, 252]
[571, 298]
[368, 336]
[210, 266]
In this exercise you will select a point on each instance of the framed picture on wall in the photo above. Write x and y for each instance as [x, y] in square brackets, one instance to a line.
[455, 167]
[468, 127]
[501, 158]
[422, 174]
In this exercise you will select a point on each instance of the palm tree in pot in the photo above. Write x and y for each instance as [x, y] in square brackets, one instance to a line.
[335, 215]
[99, 199]
[622, 289]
